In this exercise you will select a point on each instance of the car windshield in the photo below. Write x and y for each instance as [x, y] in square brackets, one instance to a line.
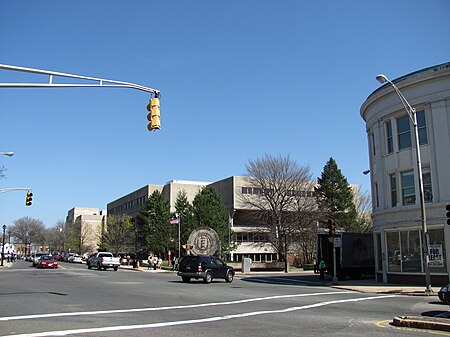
[47, 258]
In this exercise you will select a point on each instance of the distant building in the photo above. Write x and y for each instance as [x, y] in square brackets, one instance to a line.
[393, 168]
[131, 203]
[251, 241]
[88, 224]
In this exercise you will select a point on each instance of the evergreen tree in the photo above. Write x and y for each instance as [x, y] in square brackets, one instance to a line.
[210, 212]
[185, 213]
[336, 198]
[154, 234]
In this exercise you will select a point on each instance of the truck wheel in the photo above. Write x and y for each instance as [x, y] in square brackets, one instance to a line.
[186, 279]
[115, 268]
[208, 277]
[89, 265]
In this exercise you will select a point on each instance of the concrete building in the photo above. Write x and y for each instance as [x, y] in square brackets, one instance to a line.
[88, 224]
[393, 168]
[233, 191]
[131, 203]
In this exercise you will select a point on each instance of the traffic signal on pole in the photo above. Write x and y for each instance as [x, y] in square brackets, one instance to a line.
[29, 198]
[331, 227]
[154, 114]
[448, 214]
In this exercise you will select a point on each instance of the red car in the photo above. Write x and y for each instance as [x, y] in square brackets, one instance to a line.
[47, 261]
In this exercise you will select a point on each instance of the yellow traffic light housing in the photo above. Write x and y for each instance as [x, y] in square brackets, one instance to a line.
[29, 198]
[154, 114]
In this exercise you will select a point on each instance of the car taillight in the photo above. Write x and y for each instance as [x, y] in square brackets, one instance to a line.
[199, 267]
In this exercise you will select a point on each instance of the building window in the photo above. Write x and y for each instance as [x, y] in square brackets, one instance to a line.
[389, 139]
[393, 251]
[422, 127]
[427, 190]
[437, 252]
[379, 253]
[377, 202]
[408, 189]
[403, 132]
[373, 144]
[411, 252]
[393, 181]
[246, 190]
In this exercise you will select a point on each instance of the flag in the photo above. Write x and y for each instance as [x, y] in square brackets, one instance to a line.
[173, 221]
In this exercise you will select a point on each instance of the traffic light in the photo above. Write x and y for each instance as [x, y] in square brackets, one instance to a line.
[331, 227]
[448, 214]
[154, 115]
[28, 198]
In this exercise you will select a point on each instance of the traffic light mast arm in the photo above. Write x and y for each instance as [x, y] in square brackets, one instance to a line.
[101, 81]
[4, 190]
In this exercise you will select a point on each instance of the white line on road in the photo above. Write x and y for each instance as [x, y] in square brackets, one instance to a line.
[194, 321]
[186, 306]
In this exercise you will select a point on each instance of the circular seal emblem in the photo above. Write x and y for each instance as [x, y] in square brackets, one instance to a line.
[205, 241]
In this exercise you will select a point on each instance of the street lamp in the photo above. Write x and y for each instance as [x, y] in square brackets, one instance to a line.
[426, 239]
[9, 154]
[3, 244]
[178, 216]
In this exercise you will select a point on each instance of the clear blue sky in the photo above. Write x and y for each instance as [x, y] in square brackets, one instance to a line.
[238, 79]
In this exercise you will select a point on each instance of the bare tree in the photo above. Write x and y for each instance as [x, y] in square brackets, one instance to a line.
[28, 230]
[281, 200]
[55, 236]
[2, 172]
[364, 209]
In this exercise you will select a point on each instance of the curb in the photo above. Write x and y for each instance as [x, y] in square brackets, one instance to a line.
[420, 322]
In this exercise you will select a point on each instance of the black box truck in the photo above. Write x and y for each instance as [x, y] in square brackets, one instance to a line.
[354, 254]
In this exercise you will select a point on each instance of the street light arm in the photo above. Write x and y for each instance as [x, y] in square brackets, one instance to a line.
[409, 109]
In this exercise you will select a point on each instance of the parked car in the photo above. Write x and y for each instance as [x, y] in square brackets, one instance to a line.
[75, 259]
[103, 260]
[204, 267]
[444, 294]
[47, 261]
[36, 257]
[68, 256]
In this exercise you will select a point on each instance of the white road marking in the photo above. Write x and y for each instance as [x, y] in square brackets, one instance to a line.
[186, 306]
[193, 321]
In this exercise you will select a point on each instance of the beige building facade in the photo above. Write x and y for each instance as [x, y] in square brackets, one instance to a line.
[88, 223]
[397, 226]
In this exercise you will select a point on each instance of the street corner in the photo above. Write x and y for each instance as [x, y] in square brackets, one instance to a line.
[422, 322]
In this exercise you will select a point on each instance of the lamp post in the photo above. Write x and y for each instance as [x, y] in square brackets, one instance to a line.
[3, 244]
[426, 239]
[9, 154]
[178, 216]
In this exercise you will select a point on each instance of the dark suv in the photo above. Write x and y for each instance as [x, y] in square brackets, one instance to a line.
[204, 267]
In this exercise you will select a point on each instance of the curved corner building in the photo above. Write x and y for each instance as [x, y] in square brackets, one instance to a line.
[397, 224]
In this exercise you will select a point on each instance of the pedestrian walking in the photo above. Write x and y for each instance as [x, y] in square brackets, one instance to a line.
[149, 261]
[155, 262]
[159, 263]
[322, 268]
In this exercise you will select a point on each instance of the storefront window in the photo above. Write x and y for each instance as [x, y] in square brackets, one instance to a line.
[411, 252]
[379, 253]
[437, 251]
[393, 251]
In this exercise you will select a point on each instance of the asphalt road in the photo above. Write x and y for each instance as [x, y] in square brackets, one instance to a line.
[75, 301]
